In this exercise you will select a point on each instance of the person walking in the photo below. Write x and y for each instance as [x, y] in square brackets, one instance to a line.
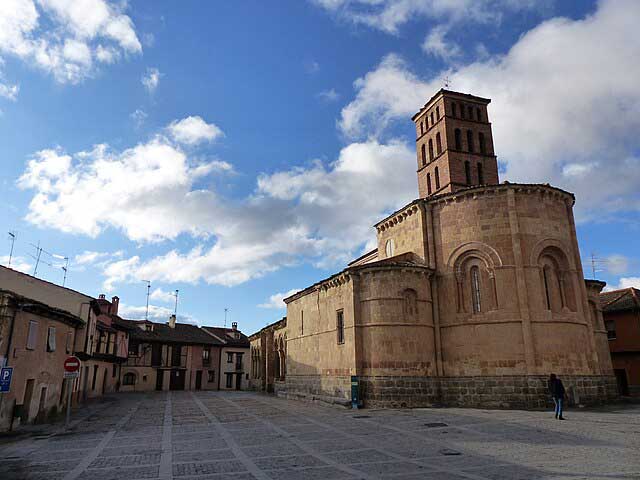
[556, 388]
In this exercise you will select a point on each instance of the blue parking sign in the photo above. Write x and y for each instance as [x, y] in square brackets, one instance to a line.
[5, 379]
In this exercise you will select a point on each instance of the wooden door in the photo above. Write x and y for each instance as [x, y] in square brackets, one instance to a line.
[177, 380]
[199, 380]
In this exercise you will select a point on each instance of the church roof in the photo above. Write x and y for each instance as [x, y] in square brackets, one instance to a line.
[443, 91]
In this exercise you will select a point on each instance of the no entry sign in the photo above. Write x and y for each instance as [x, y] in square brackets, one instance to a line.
[72, 364]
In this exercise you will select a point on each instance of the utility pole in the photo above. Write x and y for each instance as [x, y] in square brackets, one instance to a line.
[146, 315]
[12, 235]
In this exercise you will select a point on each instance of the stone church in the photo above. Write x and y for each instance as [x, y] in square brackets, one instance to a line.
[474, 295]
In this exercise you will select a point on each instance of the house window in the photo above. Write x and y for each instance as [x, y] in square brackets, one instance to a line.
[114, 370]
[429, 183]
[229, 357]
[211, 376]
[229, 380]
[478, 116]
[480, 174]
[458, 136]
[610, 325]
[467, 172]
[437, 179]
[462, 111]
[129, 379]
[483, 148]
[51, 339]
[438, 113]
[475, 289]
[133, 348]
[470, 141]
[32, 337]
[206, 356]
[438, 144]
[470, 111]
[69, 346]
[432, 122]
[454, 113]
[389, 247]
[340, 326]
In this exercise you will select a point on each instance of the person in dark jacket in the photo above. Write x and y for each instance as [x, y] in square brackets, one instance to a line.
[556, 388]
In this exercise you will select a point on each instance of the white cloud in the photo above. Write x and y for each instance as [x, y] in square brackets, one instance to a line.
[389, 15]
[311, 67]
[138, 117]
[18, 263]
[277, 300]
[10, 92]
[151, 79]
[163, 296]
[156, 314]
[193, 130]
[617, 264]
[437, 45]
[624, 282]
[543, 130]
[329, 95]
[89, 257]
[62, 36]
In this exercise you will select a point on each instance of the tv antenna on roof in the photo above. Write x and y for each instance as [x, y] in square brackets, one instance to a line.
[225, 317]
[12, 236]
[64, 267]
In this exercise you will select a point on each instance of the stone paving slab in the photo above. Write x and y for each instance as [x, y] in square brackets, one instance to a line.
[242, 436]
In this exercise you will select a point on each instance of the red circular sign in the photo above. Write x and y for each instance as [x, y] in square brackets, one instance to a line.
[72, 364]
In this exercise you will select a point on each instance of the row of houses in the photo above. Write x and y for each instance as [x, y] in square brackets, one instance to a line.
[42, 324]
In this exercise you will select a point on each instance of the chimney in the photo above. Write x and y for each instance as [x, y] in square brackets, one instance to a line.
[234, 325]
[102, 296]
[115, 301]
[172, 321]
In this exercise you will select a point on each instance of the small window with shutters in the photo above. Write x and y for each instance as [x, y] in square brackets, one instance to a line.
[51, 339]
[32, 337]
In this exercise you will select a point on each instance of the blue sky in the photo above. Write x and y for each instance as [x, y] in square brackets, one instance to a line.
[237, 151]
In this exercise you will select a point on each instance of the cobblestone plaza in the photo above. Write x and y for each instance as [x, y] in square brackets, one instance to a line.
[238, 435]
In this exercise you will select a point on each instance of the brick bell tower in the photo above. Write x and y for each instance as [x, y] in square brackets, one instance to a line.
[454, 144]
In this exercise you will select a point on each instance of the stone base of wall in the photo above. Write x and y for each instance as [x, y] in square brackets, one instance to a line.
[316, 388]
[517, 391]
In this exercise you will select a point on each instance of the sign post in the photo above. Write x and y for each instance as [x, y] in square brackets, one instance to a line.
[5, 379]
[71, 372]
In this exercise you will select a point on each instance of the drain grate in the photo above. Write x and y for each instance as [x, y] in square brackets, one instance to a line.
[448, 452]
[361, 416]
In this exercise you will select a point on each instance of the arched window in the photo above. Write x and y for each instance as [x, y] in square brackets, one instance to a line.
[409, 303]
[480, 174]
[454, 109]
[424, 155]
[421, 128]
[470, 141]
[431, 149]
[483, 148]
[437, 179]
[478, 116]
[432, 122]
[389, 248]
[428, 183]
[438, 144]
[547, 276]
[438, 113]
[462, 111]
[129, 378]
[475, 289]
[458, 136]
[467, 172]
[470, 110]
